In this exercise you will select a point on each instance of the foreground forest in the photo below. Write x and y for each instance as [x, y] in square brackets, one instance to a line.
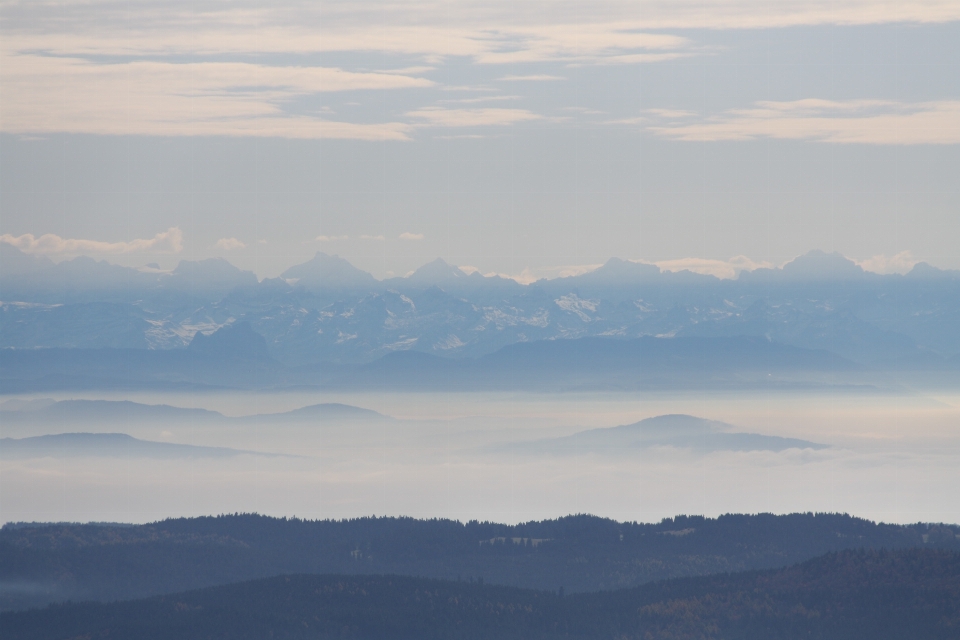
[57, 562]
[876, 595]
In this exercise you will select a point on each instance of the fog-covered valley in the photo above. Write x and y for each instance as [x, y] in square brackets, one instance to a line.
[489, 456]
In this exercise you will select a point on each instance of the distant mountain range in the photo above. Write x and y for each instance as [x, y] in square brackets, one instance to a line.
[327, 311]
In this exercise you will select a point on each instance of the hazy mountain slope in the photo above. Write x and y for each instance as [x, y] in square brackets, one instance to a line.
[118, 412]
[850, 595]
[324, 271]
[601, 363]
[107, 411]
[106, 445]
[236, 356]
[89, 325]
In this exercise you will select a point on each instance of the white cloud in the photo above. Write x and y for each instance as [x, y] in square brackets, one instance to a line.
[527, 276]
[532, 78]
[672, 114]
[530, 275]
[330, 238]
[479, 100]
[44, 94]
[170, 241]
[570, 270]
[229, 244]
[467, 87]
[852, 121]
[439, 117]
[407, 70]
[488, 30]
[723, 269]
[901, 263]
[635, 58]
[147, 68]
[411, 236]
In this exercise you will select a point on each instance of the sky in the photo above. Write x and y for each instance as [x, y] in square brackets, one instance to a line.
[532, 138]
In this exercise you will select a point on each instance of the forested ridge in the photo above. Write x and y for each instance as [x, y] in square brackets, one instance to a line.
[849, 595]
[53, 563]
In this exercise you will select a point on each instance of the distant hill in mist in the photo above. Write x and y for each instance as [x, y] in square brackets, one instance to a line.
[109, 411]
[327, 411]
[674, 430]
[106, 445]
[120, 412]
[53, 563]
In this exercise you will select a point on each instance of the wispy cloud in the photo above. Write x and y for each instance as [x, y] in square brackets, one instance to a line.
[44, 94]
[531, 78]
[530, 275]
[478, 28]
[487, 32]
[153, 68]
[229, 244]
[481, 117]
[479, 100]
[411, 236]
[330, 238]
[671, 114]
[170, 241]
[902, 262]
[723, 269]
[851, 122]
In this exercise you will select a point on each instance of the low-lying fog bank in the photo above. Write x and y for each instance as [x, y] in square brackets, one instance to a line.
[501, 457]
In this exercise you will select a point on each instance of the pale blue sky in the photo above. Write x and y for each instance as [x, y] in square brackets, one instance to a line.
[533, 138]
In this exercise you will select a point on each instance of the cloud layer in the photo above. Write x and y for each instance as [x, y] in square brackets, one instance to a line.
[723, 269]
[170, 241]
[852, 121]
[229, 244]
[177, 69]
[901, 263]
[44, 94]
[440, 117]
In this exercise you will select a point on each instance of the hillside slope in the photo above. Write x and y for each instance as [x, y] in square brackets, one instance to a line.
[851, 595]
[53, 563]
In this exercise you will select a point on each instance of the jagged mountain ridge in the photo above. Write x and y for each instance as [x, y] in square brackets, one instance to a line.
[327, 310]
